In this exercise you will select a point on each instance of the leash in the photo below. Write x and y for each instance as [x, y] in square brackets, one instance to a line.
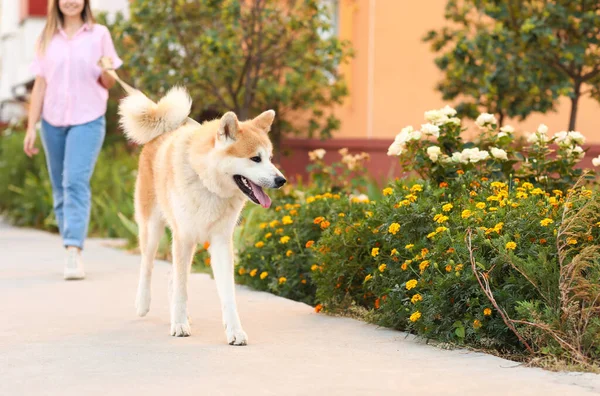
[106, 64]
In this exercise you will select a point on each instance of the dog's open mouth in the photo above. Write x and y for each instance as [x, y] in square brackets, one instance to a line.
[253, 191]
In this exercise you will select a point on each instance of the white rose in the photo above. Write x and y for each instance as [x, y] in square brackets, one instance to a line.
[448, 111]
[316, 154]
[596, 161]
[396, 148]
[577, 153]
[507, 129]
[542, 129]
[430, 129]
[435, 117]
[453, 120]
[404, 135]
[415, 135]
[457, 157]
[562, 138]
[538, 138]
[434, 152]
[577, 137]
[499, 154]
[478, 155]
[484, 119]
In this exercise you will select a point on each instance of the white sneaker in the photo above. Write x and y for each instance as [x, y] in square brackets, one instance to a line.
[73, 264]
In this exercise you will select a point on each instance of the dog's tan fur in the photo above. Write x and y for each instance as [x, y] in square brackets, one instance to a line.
[185, 180]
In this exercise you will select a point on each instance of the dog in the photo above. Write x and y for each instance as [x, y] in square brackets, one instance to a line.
[195, 178]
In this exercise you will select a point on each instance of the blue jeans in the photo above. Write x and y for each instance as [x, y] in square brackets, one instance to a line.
[71, 154]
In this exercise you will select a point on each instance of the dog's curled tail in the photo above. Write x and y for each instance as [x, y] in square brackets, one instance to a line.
[144, 120]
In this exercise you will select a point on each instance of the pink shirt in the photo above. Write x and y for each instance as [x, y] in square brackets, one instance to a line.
[74, 94]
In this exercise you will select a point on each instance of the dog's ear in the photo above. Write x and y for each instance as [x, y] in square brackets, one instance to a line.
[264, 120]
[228, 127]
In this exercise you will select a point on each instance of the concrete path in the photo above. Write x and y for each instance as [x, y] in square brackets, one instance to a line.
[83, 338]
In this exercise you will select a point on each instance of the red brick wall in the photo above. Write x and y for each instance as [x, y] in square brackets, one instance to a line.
[33, 8]
[295, 155]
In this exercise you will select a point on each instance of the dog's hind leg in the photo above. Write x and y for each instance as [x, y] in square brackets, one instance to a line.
[221, 252]
[150, 233]
[183, 252]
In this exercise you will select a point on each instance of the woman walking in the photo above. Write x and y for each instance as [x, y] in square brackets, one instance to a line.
[70, 94]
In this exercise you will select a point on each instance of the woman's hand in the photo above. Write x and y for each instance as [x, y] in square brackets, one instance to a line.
[29, 142]
[106, 63]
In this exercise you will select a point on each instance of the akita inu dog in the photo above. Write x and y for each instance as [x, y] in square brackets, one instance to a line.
[195, 179]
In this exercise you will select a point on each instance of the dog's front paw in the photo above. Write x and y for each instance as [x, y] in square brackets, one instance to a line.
[181, 329]
[236, 336]
[142, 302]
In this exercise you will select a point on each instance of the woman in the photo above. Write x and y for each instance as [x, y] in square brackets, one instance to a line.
[70, 93]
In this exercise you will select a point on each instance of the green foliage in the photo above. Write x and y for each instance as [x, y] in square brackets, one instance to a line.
[241, 56]
[517, 58]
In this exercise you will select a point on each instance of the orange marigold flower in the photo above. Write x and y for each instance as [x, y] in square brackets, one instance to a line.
[487, 312]
[310, 243]
[206, 245]
[460, 172]
[377, 304]
[443, 185]
[318, 220]
[325, 224]
[476, 324]
[448, 268]
[319, 308]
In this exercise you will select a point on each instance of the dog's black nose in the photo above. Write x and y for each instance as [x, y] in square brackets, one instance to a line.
[279, 181]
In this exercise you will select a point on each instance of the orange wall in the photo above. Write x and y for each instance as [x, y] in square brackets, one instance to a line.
[404, 73]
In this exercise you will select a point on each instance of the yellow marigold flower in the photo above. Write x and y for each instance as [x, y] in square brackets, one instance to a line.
[310, 243]
[327, 195]
[404, 266]
[284, 239]
[282, 280]
[318, 196]
[289, 253]
[415, 316]
[558, 193]
[382, 267]
[572, 241]
[264, 274]
[394, 251]
[375, 252]
[263, 226]
[268, 235]
[448, 207]
[368, 213]
[527, 185]
[259, 244]
[537, 191]
[441, 229]
[498, 184]
[458, 267]
[318, 220]
[487, 312]
[279, 231]
[586, 193]
[310, 200]
[314, 267]
[511, 245]
[411, 197]
[476, 324]
[480, 205]
[521, 194]
[274, 223]
[368, 277]
[336, 196]
[416, 298]
[466, 214]
[242, 271]
[411, 284]
[394, 228]
[552, 200]
[493, 198]
[424, 252]
[253, 272]
[546, 222]
[423, 266]
[341, 215]
[498, 227]
[442, 219]
[293, 212]
[416, 188]
[431, 235]
[388, 191]
[493, 209]
[287, 220]
[410, 245]
[448, 268]
[325, 224]
[404, 202]
[515, 205]
[473, 194]
[277, 209]
[337, 231]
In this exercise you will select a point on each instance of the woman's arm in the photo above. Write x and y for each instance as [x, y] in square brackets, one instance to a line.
[35, 111]
[106, 79]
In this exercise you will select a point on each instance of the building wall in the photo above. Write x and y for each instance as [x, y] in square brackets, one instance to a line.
[402, 86]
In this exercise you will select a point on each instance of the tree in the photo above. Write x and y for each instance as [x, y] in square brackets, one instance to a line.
[239, 55]
[518, 57]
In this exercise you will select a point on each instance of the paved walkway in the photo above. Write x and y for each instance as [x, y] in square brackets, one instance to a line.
[83, 338]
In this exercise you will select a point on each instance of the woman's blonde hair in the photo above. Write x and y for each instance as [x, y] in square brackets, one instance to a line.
[56, 18]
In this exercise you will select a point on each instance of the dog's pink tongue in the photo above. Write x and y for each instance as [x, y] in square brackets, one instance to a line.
[263, 198]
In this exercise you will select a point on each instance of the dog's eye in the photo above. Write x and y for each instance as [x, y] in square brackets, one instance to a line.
[256, 159]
